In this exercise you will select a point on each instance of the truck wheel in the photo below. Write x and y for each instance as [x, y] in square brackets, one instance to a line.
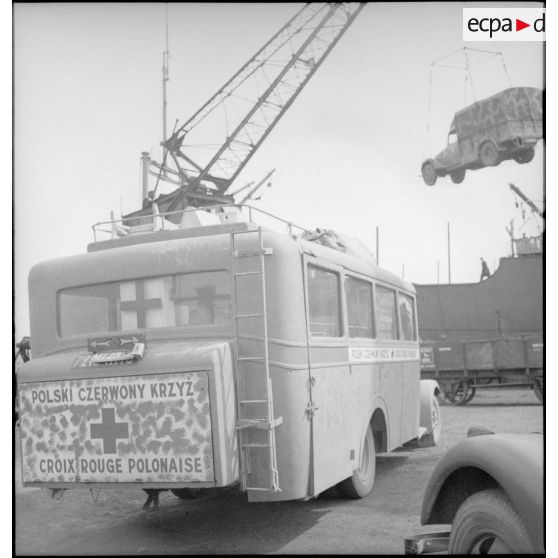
[488, 154]
[525, 156]
[487, 523]
[429, 173]
[458, 176]
[361, 482]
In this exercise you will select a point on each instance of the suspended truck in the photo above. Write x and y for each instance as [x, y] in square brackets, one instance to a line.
[196, 348]
[504, 126]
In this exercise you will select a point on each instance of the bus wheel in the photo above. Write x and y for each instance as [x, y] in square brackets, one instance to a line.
[538, 386]
[361, 482]
[186, 493]
[430, 418]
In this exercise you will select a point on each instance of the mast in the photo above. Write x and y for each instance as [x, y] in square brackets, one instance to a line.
[165, 79]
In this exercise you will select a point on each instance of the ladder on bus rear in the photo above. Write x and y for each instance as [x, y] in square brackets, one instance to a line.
[256, 422]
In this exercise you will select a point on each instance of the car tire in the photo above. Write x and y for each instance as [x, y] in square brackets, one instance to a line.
[458, 176]
[361, 482]
[523, 157]
[489, 155]
[486, 523]
[429, 173]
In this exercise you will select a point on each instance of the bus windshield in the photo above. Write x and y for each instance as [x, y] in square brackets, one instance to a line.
[190, 299]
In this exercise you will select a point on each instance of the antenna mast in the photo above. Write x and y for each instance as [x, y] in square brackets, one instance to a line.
[165, 79]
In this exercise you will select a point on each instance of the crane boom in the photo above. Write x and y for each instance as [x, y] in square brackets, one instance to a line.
[531, 204]
[263, 89]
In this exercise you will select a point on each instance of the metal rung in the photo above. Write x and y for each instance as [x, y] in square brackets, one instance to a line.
[255, 445]
[246, 401]
[262, 489]
[251, 358]
[249, 315]
[248, 273]
[251, 253]
[259, 424]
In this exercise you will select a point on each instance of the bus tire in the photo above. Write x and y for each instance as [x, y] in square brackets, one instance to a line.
[361, 482]
[186, 493]
[430, 414]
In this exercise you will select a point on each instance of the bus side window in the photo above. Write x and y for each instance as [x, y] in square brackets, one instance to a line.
[407, 317]
[359, 308]
[387, 317]
[324, 302]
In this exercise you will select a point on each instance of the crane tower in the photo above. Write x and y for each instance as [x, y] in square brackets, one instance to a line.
[252, 100]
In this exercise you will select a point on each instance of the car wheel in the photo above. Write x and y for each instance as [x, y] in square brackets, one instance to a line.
[458, 176]
[488, 154]
[487, 523]
[524, 156]
[361, 482]
[429, 173]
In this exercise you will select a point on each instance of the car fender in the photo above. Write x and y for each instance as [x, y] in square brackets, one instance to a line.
[512, 462]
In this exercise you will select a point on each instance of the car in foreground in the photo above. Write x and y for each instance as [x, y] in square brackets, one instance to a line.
[489, 487]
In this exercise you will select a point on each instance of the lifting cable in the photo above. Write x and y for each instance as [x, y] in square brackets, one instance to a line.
[468, 78]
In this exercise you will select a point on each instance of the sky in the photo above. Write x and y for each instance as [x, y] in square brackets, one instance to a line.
[347, 154]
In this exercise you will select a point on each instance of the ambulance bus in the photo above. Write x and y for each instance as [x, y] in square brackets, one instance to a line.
[215, 353]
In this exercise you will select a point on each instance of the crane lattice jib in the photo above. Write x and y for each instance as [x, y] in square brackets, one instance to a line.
[284, 65]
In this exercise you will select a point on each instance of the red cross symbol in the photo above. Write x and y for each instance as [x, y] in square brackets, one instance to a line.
[141, 305]
[109, 430]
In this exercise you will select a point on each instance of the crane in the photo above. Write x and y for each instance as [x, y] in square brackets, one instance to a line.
[531, 204]
[525, 245]
[264, 87]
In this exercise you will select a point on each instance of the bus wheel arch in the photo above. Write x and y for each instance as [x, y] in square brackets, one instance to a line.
[378, 423]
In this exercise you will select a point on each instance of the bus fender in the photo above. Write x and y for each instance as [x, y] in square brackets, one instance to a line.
[430, 416]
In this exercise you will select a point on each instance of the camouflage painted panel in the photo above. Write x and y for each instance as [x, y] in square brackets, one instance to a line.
[120, 429]
[517, 103]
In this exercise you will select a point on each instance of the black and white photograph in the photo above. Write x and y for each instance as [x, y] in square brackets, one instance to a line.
[278, 278]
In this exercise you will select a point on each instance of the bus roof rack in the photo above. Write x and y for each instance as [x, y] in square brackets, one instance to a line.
[191, 217]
